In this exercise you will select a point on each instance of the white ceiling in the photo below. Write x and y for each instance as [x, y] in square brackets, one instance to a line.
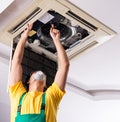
[98, 68]
[5, 5]
[106, 11]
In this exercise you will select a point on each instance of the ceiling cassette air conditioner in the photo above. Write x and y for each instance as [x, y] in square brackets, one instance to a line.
[79, 30]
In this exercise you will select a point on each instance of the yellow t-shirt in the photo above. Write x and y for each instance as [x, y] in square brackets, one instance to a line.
[32, 101]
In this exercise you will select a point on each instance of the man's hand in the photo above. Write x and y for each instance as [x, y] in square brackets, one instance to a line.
[55, 34]
[25, 33]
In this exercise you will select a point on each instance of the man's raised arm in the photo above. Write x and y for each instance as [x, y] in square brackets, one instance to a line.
[16, 68]
[63, 62]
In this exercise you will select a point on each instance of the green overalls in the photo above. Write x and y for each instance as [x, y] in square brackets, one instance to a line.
[31, 117]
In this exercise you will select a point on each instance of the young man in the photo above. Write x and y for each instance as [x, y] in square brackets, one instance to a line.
[35, 105]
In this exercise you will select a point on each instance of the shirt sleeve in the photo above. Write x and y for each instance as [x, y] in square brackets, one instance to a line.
[15, 92]
[55, 93]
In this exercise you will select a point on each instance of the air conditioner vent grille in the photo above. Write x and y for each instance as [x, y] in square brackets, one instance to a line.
[80, 19]
[82, 49]
[26, 20]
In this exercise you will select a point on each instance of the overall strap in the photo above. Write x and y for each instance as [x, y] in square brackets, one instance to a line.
[20, 104]
[43, 103]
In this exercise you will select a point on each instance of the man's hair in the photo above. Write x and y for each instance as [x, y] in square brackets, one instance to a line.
[25, 81]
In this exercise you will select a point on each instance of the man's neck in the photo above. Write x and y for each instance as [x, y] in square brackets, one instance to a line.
[37, 89]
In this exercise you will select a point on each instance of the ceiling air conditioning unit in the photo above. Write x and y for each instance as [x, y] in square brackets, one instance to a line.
[79, 31]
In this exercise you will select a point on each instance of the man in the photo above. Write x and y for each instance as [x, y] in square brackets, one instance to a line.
[35, 105]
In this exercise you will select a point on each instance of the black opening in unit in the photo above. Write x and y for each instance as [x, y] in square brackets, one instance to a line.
[70, 34]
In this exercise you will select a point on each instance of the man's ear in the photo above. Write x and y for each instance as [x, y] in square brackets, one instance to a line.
[28, 82]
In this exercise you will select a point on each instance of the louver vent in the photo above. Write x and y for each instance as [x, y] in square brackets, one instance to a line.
[26, 20]
[80, 50]
[81, 20]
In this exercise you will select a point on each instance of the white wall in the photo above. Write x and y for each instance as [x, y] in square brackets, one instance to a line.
[4, 97]
[76, 108]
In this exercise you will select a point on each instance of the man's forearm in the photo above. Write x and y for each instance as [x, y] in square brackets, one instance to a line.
[63, 65]
[18, 54]
[62, 56]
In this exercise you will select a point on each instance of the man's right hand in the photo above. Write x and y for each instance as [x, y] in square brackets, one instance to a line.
[25, 33]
